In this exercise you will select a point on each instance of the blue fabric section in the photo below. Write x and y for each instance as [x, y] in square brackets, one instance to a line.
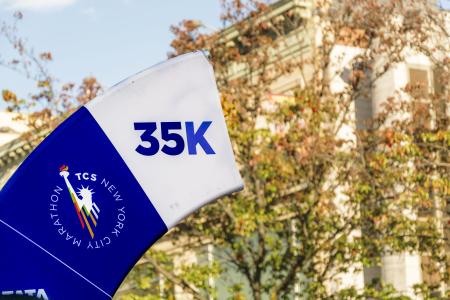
[25, 268]
[37, 202]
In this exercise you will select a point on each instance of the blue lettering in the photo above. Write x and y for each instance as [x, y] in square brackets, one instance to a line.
[194, 138]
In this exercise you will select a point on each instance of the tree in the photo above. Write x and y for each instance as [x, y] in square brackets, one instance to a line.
[325, 194]
[52, 101]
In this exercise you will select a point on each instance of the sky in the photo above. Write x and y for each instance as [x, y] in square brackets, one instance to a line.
[108, 39]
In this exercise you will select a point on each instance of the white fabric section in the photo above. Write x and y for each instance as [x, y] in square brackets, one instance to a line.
[181, 89]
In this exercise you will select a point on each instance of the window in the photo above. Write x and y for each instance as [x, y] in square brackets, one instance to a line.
[430, 271]
[441, 100]
[419, 82]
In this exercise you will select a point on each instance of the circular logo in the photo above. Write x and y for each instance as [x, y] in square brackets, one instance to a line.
[86, 209]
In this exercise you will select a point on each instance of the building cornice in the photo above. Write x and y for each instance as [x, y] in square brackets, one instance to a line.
[301, 7]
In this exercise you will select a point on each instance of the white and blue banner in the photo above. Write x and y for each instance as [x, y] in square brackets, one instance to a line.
[112, 179]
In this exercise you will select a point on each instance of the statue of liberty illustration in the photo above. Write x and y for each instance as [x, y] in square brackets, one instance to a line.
[85, 208]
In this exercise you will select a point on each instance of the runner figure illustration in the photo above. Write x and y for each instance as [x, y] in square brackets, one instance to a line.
[87, 211]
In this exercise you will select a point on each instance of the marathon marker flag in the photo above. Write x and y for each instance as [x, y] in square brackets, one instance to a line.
[112, 179]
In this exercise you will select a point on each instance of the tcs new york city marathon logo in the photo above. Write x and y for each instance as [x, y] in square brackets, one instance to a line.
[86, 209]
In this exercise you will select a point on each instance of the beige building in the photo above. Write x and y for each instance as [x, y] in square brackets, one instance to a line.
[11, 131]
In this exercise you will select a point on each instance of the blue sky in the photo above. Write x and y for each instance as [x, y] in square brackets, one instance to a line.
[110, 39]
